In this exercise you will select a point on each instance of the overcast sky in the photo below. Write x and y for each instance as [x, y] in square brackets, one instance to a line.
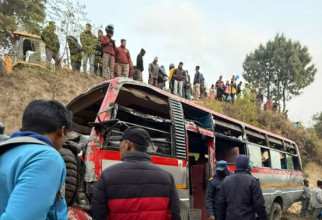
[216, 35]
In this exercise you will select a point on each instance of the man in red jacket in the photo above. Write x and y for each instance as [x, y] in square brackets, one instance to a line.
[108, 52]
[135, 189]
[124, 63]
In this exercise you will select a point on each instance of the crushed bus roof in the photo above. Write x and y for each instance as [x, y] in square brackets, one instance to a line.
[123, 80]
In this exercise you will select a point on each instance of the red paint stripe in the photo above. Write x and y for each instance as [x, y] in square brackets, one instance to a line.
[270, 171]
[115, 155]
[156, 208]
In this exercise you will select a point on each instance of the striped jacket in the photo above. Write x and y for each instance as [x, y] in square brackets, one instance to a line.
[135, 189]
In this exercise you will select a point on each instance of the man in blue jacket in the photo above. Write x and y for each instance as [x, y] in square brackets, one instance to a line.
[213, 189]
[32, 171]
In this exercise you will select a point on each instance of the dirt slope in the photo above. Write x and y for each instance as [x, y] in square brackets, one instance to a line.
[19, 88]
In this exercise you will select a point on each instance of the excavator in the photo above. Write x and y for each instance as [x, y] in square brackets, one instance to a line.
[28, 50]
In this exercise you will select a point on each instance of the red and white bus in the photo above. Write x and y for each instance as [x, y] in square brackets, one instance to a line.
[187, 140]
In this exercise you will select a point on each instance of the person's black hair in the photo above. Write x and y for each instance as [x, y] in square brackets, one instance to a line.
[319, 183]
[181, 63]
[1, 128]
[123, 40]
[100, 31]
[45, 116]
[197, 67]
[139, 147]
[88, 24]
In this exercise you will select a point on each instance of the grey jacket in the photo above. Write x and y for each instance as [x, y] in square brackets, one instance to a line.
[306, 193]
[153, 70]
[317, 197]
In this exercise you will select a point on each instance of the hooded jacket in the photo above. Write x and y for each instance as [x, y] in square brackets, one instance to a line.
[135, 189]
[139, 60]
[30, 177]
[241, 197]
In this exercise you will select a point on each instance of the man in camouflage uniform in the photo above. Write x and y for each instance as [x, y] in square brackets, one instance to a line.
[89, 44]
[50, 38]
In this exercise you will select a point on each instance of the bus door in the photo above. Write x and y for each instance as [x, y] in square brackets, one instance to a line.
[200, 142]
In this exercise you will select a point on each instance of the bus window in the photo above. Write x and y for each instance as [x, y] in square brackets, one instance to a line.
[296, 163]
[255, 155]
[275, 159]
[290, 165]
[265, 158]
[283, 161]
[228, 150]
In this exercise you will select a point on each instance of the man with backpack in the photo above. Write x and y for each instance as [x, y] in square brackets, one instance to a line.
[32, 171]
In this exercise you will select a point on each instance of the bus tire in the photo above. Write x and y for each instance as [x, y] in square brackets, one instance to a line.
[276, 212]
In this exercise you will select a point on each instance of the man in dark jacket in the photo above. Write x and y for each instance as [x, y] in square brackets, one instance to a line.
[240, 195]
[139, 65]
[196, 83]
[179, 78]
[75, 51]
[50, 38]
[202, 86]
[135, 189]
[213, 189]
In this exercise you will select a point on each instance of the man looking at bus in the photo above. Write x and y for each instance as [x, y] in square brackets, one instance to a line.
[240, 195]
[317, 200]
[135, 189]
[213, 189]
[306, 196]
[32, 170]
[123, 60]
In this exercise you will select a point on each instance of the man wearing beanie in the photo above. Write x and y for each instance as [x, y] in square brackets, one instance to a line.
[135, 189]
[240, 195]
[317, 200]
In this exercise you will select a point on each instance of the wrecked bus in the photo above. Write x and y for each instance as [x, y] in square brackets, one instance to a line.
[187, 140]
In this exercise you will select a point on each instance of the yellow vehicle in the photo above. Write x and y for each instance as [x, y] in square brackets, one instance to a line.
[28, 50]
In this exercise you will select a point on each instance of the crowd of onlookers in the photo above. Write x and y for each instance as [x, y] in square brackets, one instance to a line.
[107, 60]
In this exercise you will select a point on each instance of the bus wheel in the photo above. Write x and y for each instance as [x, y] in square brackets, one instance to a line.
[276, 212]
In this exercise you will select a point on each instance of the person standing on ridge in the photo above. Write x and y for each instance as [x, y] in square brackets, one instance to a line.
[153, 72]
[124, 63]
[109, 49]
[139, 65]
[50, 38]
[89, 44]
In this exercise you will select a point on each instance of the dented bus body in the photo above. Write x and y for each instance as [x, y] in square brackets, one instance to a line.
[187, 140]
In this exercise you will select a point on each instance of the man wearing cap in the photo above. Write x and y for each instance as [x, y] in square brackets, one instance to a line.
[213, 189]
[135, 189]
[317, 200]
[240, 195]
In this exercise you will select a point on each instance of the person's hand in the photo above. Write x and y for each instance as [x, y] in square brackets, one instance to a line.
[211, 217]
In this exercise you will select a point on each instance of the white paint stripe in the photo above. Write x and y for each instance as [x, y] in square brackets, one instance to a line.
[294, 191]
[184, 199]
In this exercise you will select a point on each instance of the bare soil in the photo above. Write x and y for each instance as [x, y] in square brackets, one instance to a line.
[22, 86]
